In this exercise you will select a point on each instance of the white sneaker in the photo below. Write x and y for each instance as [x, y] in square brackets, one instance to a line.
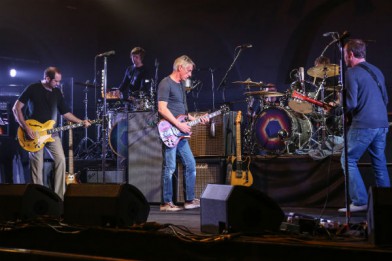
[354, 208]
[169, 207]
[195, 203]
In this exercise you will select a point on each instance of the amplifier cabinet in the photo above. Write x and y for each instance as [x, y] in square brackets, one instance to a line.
[96, 176]
[208, 171]
[204, 142]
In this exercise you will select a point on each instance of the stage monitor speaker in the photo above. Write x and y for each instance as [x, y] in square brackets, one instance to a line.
[222, 143]
[145, 154]
[379, 216]
[105, 205]
[208, 171]
[27, 201]
[226, 208]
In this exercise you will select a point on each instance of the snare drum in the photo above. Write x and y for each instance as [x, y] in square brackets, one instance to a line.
[276, 127]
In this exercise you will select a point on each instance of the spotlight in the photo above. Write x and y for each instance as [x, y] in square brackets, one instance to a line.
[13, 72]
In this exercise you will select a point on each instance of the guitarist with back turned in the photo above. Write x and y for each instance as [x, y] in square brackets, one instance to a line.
[171, 106]
[44, 100]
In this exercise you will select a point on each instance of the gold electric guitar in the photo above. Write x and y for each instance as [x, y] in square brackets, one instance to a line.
[240, 175]
[70, 176]
[43, 133]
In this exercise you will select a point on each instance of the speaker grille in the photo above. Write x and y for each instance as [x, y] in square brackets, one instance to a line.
[202, 143]
[208, 171]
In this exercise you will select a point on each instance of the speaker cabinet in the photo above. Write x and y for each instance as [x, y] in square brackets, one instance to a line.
[222, 143]
[208, 171]
[238, 209]
[145, 154]
[379, 216]
[96, 176]
[109, 205]
[26, 201]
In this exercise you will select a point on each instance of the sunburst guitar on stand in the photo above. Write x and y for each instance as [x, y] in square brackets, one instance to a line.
[43, 133]
[70, 176]
[170, 135]
[240, 175]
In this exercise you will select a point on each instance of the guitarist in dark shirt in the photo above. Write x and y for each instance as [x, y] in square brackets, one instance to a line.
[44, 101]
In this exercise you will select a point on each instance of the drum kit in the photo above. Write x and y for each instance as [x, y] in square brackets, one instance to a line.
[295, 121]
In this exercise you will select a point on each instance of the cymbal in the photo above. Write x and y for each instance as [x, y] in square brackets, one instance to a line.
[85, 84]
[249, 82]
[265, 93]
[327, 70]
[264, 85]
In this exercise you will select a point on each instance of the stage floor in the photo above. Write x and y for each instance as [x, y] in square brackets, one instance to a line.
[178, 236]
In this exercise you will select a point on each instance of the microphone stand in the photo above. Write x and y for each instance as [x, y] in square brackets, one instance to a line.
[104, 117]
[227, 72]
[340, 42]
[344, 114]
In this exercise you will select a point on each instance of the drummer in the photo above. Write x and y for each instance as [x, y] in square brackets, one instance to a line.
[136, 81]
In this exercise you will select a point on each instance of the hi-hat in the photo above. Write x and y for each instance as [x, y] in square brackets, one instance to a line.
[265, 93]
[321, 71]
[333, 88]
[250, 83]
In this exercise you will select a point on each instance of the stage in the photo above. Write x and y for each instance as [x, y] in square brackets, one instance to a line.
[177, 236]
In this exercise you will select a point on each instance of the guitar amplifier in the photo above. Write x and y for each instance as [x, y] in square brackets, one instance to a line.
[208, 171]
[96, 176]
[221, 143]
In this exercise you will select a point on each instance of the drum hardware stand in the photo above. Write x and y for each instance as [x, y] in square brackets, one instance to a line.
[83, 148]
[322, 128]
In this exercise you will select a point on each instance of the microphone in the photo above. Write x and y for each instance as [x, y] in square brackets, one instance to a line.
[112, 52]
[344, 35]
[245, 46]
[329, 34]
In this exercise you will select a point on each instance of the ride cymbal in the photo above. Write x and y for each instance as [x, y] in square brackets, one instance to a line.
[321, 71]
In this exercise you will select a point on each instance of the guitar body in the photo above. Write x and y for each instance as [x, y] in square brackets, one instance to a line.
[169, 134]
[41, 135]
[240, 174]
[71, 178]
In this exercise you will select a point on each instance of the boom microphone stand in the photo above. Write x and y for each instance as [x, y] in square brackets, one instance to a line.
[340, 42]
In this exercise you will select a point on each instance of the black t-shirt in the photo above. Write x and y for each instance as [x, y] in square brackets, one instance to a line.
[43, 104]
[136, 79]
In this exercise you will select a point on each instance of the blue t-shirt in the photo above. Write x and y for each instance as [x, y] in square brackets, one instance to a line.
[366, 104]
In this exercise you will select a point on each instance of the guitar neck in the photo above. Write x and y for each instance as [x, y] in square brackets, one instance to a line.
[70, 153]
[198, 120]
[68, 127]
[238, 138]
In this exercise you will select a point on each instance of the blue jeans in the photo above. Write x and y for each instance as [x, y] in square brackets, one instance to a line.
[183, 150]
[358, 142]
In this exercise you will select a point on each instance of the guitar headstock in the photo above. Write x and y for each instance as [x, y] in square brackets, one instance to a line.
[224, 108]
[239, 117]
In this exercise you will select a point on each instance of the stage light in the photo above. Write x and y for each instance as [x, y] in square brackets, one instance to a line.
[13, 72]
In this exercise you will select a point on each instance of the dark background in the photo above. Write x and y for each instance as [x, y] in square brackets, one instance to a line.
[285, 35]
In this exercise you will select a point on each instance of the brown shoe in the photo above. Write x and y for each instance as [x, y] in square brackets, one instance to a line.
[169, 207]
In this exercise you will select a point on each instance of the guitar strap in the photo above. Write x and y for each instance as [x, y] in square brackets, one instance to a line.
[374, 77]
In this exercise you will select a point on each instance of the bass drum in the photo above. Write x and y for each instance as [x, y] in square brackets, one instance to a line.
[118, 133]
[276, 129]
